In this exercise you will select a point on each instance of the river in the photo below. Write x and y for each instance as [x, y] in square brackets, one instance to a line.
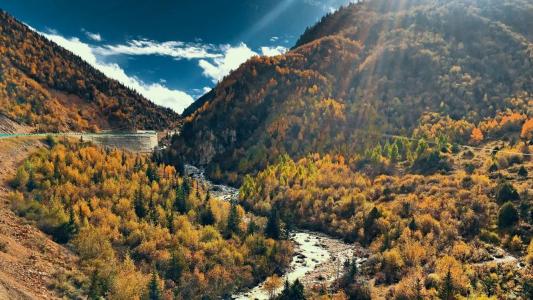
[318, 258]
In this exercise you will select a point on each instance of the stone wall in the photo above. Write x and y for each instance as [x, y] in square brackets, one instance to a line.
[135, 142]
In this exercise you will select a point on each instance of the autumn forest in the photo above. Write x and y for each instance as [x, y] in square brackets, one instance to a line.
[397, 133]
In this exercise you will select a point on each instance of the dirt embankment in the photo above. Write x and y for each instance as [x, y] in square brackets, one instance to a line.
[9, 126]
[28, 258]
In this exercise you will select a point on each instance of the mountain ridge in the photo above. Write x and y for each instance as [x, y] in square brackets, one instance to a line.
[371, 67]
[52, 89]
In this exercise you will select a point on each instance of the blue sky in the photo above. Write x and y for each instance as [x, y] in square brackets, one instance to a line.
[170, 51]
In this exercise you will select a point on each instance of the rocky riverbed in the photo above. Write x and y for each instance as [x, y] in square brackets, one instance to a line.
[318, 258]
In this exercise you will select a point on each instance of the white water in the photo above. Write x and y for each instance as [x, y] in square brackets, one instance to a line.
[318, 258]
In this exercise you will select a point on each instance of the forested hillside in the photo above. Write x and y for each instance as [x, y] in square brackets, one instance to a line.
[139, 228]
[378, 66]
[47, 87]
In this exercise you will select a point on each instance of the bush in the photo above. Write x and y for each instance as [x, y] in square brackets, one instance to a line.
[516, 243]
[3, 246]
[522, 172]
[505, 192]
[470, 168]
[21, 178]
[507, 216]
[489, 237]
[432, 162]
[51, 141]
[359, 291]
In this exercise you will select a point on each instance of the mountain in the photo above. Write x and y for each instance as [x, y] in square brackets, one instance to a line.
[47, 87]
[376, 66]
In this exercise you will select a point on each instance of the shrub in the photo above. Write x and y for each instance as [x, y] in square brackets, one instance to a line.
[21, 178]
[529, 258]
[505, 192]
[3, 246]
[507, 216]
[489, 237]
[432, 162]
[493, 167]
[359, 291]
[51, 141]
[522, 172]
[470, 168]
[516, 243]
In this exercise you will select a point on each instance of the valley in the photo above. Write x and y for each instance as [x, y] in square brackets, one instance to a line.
[388, 154]
[318, 259]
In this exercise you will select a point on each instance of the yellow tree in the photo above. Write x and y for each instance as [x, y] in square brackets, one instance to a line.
[527, 130]
[272, 284]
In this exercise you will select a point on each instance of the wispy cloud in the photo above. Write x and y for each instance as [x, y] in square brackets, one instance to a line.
[93, 36]
[328, 5]
[215, 62]
[156, 92]
[175, 49]
[232, 58]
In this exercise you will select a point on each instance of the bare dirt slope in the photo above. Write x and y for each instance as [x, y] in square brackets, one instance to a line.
[9, 126]
[29, 258]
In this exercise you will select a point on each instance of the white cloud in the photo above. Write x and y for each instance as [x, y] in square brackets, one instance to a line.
[232, 58]
[221, 66]
[158, 93]
[215, 62]
[93, 36]
[174, 49]
[273, 51]
[328, 5]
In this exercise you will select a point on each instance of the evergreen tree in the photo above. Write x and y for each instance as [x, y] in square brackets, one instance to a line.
[272, 229]
[170, 222]
[369, 225]
[505, 191]
[447, 289]
[207, 217]
[286, 292]
[152, 212]
[139, 205]
[57, 170]
[352, 272]
[137, 167]
[293, 291]
[32, 184]
[412, 225]
[154, 290]
[252, 228]
[180, 203]
[297, 290]
[508, 215]
[176, 266]
[64, 232]
[151, 173]
[96, 289]
[522, 172]
[234, 220]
